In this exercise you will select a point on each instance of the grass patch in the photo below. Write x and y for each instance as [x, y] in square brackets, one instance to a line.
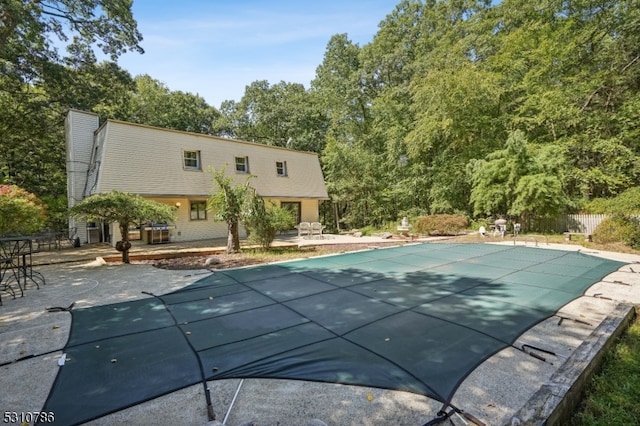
[613, 394]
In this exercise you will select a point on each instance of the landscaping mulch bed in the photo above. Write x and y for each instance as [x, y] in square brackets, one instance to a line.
[255, 257]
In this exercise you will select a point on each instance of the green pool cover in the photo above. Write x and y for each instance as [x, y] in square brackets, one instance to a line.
[416, 318]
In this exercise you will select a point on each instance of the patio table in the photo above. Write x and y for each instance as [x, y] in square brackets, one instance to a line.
[5, 266]
[16, 254]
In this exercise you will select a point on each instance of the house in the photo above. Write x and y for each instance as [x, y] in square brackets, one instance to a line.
[172, 167]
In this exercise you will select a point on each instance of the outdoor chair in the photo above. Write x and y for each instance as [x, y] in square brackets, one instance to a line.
[5, 266]
[69, 237]
[304, 230]
[46, 239]
[316, 230]
[499, 230]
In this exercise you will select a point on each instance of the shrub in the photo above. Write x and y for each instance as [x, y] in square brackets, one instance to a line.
[618, 229]
[440, 224]
[263, 223]
[21, 212]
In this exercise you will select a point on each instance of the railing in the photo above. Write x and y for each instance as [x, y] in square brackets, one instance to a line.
[55, 239]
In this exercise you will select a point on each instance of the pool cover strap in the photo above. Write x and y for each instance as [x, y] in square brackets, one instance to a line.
[416, 318]
[207, 392]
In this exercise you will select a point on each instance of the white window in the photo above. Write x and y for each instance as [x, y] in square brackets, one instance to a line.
[191, 160]
[281, 168]
[198, 210]
[242, 164]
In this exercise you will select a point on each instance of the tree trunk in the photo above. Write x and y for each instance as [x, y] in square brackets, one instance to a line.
[124, 245]
[125, 254]
[233, 240]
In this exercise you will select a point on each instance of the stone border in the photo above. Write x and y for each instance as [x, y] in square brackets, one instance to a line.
[555, 401]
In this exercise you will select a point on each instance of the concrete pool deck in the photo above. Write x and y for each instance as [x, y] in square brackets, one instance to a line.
[509, 385]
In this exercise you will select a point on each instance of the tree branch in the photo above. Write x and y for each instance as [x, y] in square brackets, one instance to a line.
[633, 61]
[590, 98]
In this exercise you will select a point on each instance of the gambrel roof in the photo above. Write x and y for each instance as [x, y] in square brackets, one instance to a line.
[150, 161]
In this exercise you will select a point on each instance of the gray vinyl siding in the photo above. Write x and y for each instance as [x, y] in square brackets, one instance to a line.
[79, 129]
[149, 161]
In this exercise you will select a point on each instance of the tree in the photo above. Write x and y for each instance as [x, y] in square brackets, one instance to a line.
[623, 225]
[226, 203]
[32, 150]
[30, 28]
[21, 212]
[626, 204]
[125, 210]
[282, 114]
[39, 81]
[338, 88]
[599, 167]
[154, 104]
[514, 181]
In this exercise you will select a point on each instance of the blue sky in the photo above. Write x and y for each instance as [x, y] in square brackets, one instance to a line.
[215, 48]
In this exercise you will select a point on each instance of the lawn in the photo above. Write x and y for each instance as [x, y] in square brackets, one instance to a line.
[613, 394]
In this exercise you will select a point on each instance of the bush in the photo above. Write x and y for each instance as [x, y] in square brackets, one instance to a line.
[440, 224]
[21, 212]
[390, 227]
[618, 229]
[263, 223]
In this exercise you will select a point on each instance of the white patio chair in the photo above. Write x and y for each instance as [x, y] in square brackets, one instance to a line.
[304, 230]
[316, 230]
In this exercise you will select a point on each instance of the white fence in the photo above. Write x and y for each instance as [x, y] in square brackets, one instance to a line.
[578, 223]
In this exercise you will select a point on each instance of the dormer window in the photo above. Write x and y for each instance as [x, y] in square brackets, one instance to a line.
[191, 160]
[281, 168]
[242, 164]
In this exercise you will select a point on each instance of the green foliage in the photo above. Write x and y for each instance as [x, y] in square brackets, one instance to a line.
[150, 102]
[357, 184]
[539, 194]
[32, 152]
[600, 168]
[21, 213]
[38, 83]
[282, 219]
[414, 121]
[57, 212]
[125, 210]
[612, 394]
[235, 204]
[31, 30]
[516, 181]
[122, 207]
[226, 203]
[263, 223]
[282, 114]
[618, 229]
[625, 204]
[440, 224]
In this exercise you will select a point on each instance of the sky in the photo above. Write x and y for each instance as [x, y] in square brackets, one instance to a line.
[215, 48]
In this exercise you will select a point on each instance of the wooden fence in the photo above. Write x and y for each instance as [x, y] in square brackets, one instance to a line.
[578, 223]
